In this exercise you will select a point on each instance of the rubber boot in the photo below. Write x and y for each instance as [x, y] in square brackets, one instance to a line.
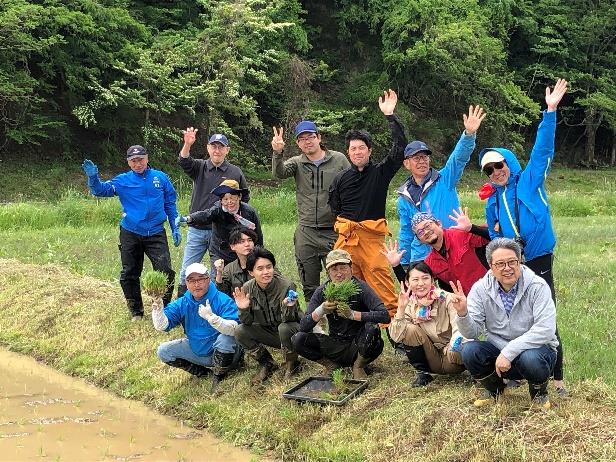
[494, 387]
[195, 369]
[329, 366]
[136, 309]
[417, 358]
[265, 360]
[359, 373]
[181, 290]
[539, 394]
[221, 366]
[291, 363]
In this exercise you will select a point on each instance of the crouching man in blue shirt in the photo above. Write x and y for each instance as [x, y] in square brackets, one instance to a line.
[148, 200]
[209, 318]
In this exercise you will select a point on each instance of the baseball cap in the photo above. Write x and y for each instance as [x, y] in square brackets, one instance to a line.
[228, 186]
[305, 126]
[135, 151]
[490, 157]
[337, 256]
[218, 138]
[414, 147]
[198, 268]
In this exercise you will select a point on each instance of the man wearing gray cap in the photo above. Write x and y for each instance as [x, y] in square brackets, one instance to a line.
[313, 171]
[430, 190]
[148, 200]
[206, 174]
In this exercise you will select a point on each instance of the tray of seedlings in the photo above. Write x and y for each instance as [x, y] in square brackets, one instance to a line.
[336, 390]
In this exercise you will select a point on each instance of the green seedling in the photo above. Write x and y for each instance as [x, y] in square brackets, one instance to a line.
[338, 378]
[341, 292]
[154, 284]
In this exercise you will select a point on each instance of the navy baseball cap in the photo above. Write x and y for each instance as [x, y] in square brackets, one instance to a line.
[414, 147]
[305, 126]
[218, 138]
[135, 151]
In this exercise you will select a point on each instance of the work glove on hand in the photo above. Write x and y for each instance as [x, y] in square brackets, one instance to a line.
[89, 168]
[157, 304]
[180, 221]
[344, 311]
[205, 311]
[325, 308]
[177, 237]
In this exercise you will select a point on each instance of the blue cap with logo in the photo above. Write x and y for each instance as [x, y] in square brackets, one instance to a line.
[135, 151]
[305, 126]
[414, 147]
[218, 138]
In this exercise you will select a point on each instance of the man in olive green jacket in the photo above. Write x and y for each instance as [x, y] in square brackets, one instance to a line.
[314, 170]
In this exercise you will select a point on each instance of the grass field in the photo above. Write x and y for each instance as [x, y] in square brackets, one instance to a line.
[61, 303]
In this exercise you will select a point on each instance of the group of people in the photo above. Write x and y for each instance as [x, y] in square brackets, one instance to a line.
[471, 297]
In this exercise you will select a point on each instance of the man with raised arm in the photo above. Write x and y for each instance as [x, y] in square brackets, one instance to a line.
[357, 198]
[206, 175]
[313, 171]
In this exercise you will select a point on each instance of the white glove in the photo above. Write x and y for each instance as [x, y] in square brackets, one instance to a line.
[157, 304]
[205, 311]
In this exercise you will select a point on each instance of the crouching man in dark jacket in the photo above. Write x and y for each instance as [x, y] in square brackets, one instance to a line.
[354, 336]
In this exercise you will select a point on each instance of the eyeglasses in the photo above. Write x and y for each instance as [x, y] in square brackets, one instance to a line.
[420, 158]
[500, 265]
[421, 231]
[197, 280]
[489, 169]
[303, 139]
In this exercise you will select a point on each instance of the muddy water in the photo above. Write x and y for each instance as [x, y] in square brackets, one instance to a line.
[47, 416]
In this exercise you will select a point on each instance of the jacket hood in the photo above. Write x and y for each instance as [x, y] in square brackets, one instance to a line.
[512, 162]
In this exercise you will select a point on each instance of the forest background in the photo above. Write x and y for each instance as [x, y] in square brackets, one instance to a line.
[89, 78]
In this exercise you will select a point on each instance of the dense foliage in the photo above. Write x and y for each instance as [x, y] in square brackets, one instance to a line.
[94, 76]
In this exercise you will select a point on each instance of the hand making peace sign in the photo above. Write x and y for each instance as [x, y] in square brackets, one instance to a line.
[277, 140]
[458, 300]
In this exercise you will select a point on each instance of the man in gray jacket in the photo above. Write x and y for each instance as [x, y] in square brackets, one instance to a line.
[313, 170]
[514, 307]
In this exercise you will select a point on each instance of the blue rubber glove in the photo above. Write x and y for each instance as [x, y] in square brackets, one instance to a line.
[180, 221]
[177, 237]
[89, 168]
[292, 295]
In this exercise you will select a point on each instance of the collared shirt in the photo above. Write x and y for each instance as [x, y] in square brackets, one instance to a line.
[415, 189]
[508, 297]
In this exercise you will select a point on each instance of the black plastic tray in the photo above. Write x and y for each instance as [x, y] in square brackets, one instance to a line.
[323, 384]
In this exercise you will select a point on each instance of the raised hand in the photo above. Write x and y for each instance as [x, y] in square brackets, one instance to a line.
[89, 168]
[404, 296]
[387, 102]
[190, 135]
[241, 298]
[219, 265]
[553, 97]
[391, 252]
[458, 299]
[473, 120]
[205, 311]
[278, 140]
[157, 304]
[461, 218]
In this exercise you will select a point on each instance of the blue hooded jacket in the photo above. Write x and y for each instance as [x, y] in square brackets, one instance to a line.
[439, 197]
[528, 186]
[147, 199]
[185, 311]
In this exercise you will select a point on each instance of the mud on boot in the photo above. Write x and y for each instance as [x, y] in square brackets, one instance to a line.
[359, 373]
[291, 363]
[195, 369]
[329, 366]
[221, 364]
[266, 363]
[494, 388]
[539, 394]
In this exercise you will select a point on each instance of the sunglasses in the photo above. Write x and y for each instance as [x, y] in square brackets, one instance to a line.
[489, 169]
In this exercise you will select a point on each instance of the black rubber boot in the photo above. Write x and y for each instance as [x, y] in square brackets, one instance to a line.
[539, 394]
[265, 360]
[135, 307]
[494, 387]
[417, 359]
[195, 369]
[221, 366]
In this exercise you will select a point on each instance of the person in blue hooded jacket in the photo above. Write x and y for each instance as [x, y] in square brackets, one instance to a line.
[517, 205]
[209, 318]
[148, 200]
[430, 190]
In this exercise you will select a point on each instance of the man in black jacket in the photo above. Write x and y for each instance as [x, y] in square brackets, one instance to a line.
[354, 336]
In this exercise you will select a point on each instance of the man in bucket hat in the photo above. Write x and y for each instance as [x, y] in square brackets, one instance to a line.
[354, 336]
[148, 200]
[206, 174]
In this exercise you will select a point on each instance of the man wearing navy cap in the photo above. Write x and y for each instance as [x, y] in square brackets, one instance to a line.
[148, 200]
[206, 175]
[430, 190]
[313, 170]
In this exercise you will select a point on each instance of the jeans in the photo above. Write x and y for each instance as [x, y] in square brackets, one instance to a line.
[534, 365]
[197, 243]
[170, 351]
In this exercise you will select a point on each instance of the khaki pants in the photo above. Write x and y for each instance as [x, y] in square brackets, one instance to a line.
[439, 361]
[311, 247]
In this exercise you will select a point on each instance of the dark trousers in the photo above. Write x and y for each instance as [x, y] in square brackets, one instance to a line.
[534, 365]
[132, 249]
[253, 335]
[542, 266]
[368, 343]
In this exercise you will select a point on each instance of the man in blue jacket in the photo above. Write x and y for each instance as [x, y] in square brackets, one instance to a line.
[148, 200]
[517, 205]
[430, 190]
[209, 318]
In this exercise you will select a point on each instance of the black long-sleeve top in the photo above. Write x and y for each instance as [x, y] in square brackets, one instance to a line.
[361, 195]
[366, 302]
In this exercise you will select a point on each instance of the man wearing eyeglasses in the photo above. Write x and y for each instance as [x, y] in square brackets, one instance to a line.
[209, 318]
[313, 170]
[517, 205]
[430, 190]
[514, 307]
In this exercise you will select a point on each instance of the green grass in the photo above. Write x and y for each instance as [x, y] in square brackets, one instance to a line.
[61, 303]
